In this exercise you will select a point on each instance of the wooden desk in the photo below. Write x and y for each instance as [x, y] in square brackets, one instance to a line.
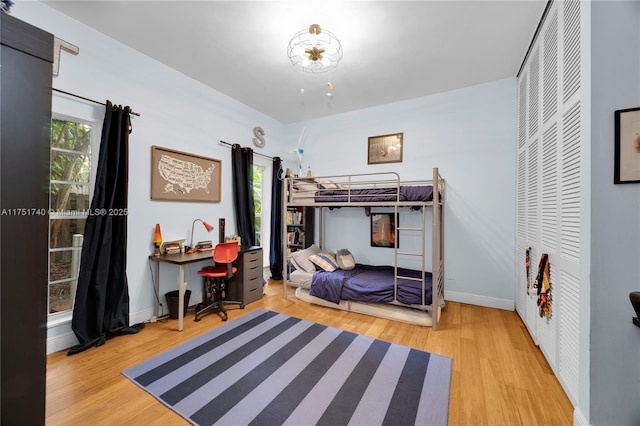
[179, 259]
[248, 280]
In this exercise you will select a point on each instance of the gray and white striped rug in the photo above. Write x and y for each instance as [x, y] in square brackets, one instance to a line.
[266, 368]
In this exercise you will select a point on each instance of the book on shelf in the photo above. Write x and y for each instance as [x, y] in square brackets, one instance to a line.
[295, 237]
[294, 217]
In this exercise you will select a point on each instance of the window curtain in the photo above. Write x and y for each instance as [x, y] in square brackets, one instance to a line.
[275, 245]
[101, 307]
[243, 202]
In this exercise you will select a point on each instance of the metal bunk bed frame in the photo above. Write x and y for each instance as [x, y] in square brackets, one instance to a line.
[368, 180]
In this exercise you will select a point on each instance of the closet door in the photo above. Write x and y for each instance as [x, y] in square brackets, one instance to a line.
[25, 119]
[549, 187]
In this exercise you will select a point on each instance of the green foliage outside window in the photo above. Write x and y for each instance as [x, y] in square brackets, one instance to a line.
[70, 181]
[257, 197]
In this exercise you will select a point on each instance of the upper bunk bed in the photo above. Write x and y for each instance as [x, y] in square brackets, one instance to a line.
[362, 190]
[375, 190]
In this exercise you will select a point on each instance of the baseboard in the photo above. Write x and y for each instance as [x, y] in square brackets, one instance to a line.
[67, 338]
[579, 419]
[61, 342]
[472, 299]
[143, 316]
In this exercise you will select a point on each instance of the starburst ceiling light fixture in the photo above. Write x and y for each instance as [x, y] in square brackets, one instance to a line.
[315, 50]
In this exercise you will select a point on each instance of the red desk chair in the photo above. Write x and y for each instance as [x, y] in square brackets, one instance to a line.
[214, 289]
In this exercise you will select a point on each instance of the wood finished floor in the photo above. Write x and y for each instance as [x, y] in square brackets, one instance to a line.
[499, 376]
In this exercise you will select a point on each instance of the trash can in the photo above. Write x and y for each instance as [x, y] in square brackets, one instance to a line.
[172, 302]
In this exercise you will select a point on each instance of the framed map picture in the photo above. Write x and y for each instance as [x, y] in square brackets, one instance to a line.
[179, 176]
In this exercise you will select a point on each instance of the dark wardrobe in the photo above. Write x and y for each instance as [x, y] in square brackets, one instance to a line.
[25, 126]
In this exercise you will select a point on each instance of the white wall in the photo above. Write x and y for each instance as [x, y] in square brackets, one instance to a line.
[615, 212]
[470, 135]
[176, 112]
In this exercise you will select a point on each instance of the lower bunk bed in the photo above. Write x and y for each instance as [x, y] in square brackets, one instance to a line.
[370, 290]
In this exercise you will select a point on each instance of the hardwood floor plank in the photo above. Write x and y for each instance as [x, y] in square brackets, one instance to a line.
[499, 376]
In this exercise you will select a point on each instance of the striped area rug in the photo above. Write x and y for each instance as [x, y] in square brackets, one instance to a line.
[266, 368]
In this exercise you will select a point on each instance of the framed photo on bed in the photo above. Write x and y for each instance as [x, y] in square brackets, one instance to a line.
[627, 148]
[383, 230]
[385, 149]
[180, 176]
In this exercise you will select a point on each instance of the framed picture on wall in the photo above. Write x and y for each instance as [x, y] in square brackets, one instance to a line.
[627, 146]
[385, 149]
[180, 176]
[383, 230]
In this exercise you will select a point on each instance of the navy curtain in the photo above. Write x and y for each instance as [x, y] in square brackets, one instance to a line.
[243, 202]
[101, 307]
[275, 245]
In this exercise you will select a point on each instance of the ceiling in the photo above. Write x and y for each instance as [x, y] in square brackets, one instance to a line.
[393, 50]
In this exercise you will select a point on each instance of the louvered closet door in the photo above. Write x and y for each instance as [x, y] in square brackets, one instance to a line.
[549, 193]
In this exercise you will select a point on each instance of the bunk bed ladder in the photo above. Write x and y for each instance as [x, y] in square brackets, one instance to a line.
[420, 254]
[437, 265]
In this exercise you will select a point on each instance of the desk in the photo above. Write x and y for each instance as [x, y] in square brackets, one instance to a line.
[246, 288]
[179, 259]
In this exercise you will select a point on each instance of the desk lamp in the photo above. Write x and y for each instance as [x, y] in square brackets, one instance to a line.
[157, 240]
[209, 228]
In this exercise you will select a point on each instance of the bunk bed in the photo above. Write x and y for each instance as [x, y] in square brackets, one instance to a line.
[387, 291]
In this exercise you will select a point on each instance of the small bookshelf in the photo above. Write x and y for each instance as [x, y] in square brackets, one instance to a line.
[300, 228]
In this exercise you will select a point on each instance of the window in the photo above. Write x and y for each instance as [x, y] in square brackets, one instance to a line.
[262, 197]
[69, 198]
[258, 173]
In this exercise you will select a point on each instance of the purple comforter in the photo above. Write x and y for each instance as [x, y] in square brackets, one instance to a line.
[407, 193]
[366, 283]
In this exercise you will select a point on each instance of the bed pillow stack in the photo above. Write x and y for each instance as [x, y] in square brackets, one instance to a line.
[312, 259]
[345, 260]
[300, 259]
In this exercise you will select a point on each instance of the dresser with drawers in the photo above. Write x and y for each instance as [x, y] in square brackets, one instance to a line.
[246, 285]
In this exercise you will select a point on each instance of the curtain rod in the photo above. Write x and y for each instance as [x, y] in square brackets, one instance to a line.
[90, 100]
[255, 153]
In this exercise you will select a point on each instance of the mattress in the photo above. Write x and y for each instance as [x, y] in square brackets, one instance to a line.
[369, 283]
[381, 310]
[407, 193]
[300, 278]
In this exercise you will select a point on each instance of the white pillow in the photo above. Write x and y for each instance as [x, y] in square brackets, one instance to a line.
[301, 258]
[306, 187]
[345, 259]
[295, 265]
[327, 184]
